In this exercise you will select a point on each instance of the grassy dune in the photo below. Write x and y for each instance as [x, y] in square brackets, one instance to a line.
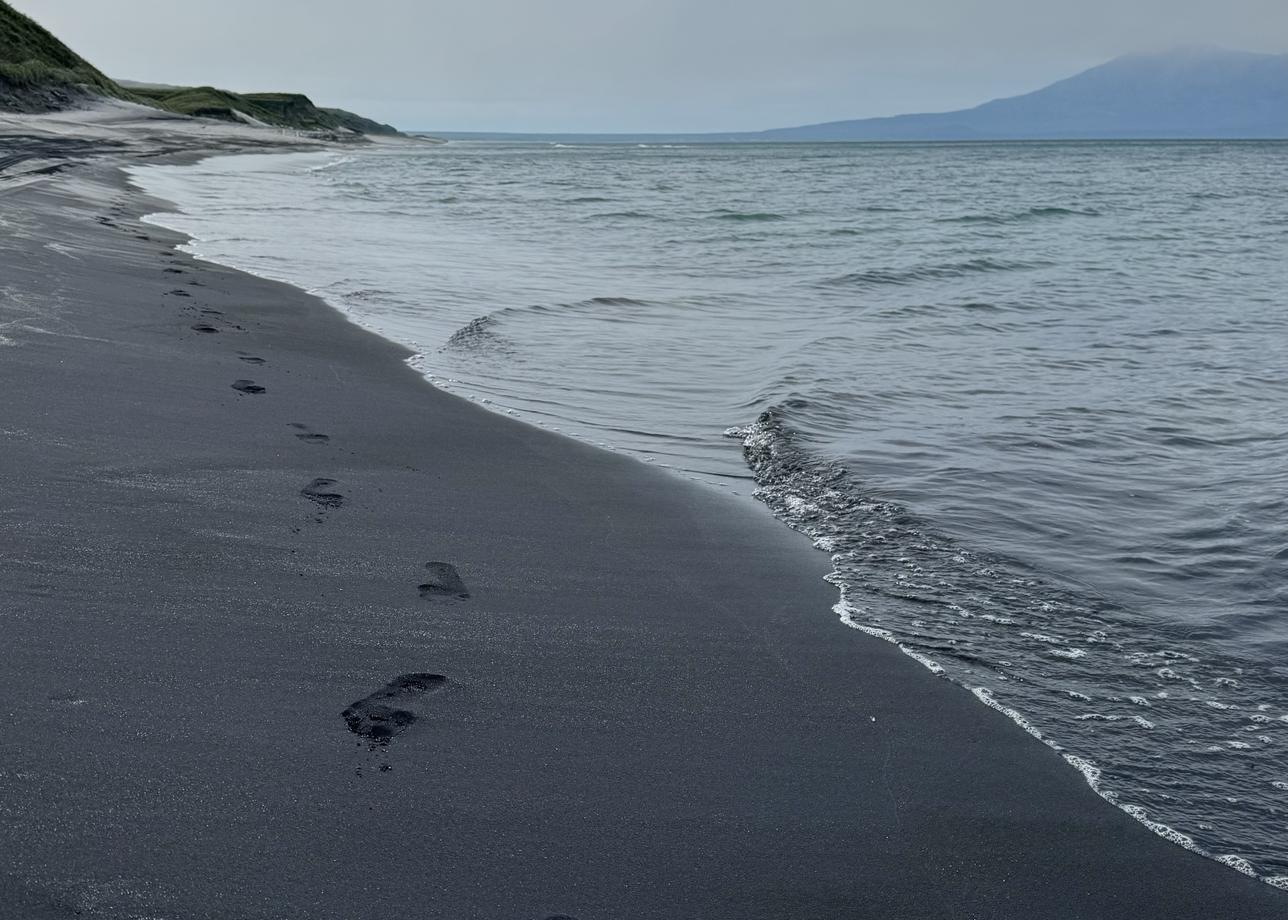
[39, 73]
[36, 65]
[282, 110]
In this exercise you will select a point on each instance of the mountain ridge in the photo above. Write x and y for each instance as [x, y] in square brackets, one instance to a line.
[1188, 93]
[1196, 93]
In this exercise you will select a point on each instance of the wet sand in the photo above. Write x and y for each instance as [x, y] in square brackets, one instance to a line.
[291, 634]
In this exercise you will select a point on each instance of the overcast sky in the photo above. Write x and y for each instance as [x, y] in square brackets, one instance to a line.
[638, 65]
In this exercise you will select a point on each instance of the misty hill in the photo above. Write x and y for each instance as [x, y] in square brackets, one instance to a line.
[38, 73]
[1191, 93]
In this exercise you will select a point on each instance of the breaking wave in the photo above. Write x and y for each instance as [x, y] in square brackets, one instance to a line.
[1160, 728]
[877, 277]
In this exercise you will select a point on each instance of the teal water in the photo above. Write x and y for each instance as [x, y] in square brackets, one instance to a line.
[1033, 398]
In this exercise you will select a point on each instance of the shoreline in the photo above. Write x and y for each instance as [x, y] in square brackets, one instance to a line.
[1083, 762]
[669, 639]
[417, 354]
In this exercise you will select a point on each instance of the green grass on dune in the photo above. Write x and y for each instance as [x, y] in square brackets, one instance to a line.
[299, 111]
[30, 57]
[201, 101]
[38, 72]
[281, 110]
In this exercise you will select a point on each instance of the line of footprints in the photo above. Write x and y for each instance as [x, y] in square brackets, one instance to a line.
[393, 708]
[388, 712]
[212, 322]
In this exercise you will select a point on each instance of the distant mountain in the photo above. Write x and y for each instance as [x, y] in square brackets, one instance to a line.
[1189, 93]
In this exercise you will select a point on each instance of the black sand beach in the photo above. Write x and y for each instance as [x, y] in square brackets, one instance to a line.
[291, 634]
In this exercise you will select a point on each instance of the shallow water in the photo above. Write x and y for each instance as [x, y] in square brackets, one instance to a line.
[1032, 397]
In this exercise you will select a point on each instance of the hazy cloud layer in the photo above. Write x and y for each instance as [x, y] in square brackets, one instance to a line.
[639, 65]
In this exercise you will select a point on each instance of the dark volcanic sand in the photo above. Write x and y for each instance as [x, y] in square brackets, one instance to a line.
[643, 709]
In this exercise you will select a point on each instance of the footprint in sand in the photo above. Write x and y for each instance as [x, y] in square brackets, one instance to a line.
[443, 581]
[308, 435]
[179, 292]
[174, 271]
[251, 359]
[210, 317]
[218, 316]
[393, 708]
[204, 328]
[321, 492]
[249, 387]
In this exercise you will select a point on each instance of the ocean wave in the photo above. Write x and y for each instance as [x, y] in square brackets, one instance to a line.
[482, 334]
[615, 302]
[1020, 216]
[331, 164]
[1044, 653]
[905, 311]
[479, 337]
[748, 216]
[878, 277]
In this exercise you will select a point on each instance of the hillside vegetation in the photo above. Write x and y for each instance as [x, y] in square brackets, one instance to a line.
[39, 73]
[281, 110]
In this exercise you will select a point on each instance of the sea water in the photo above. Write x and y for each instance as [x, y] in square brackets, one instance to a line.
[1032, 398]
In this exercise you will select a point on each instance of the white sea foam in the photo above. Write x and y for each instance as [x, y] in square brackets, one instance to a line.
[985, 696]
[1238, 863]
[848, 614]
[330, 165]
[1070, 653]
[1094, 777]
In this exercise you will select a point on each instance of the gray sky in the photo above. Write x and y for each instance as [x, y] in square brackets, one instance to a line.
[638, 65]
